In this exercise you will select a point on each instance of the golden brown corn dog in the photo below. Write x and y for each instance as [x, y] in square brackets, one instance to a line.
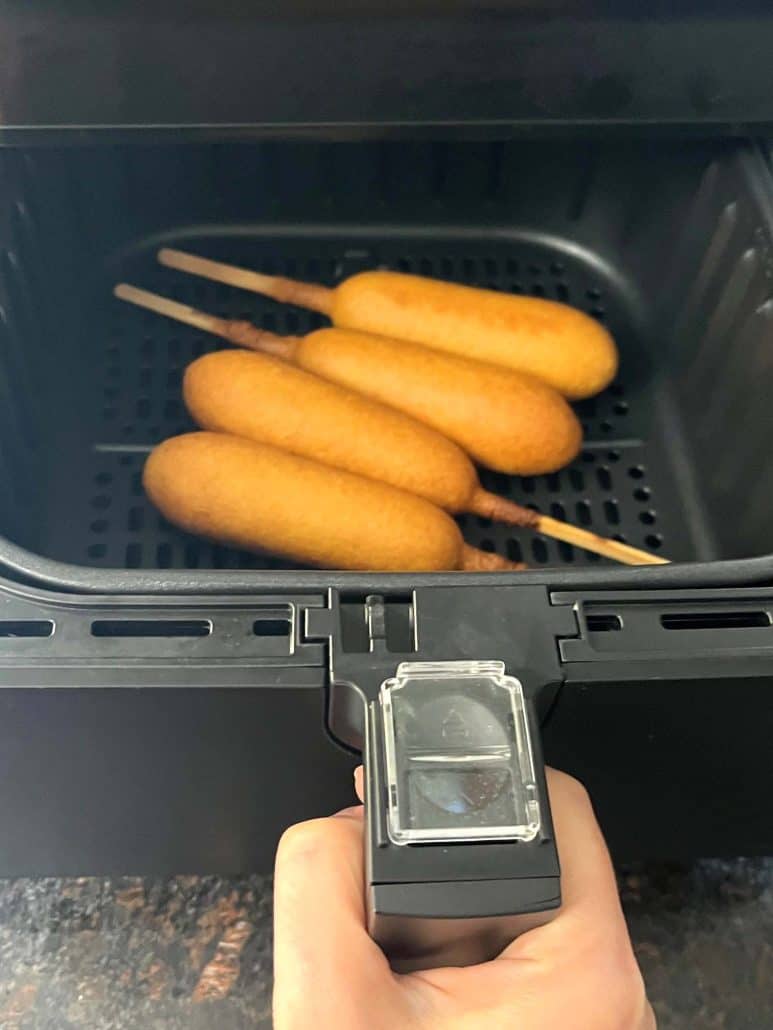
[263, 399]
[336, 426]
[558, 344]
[256, 497]
[506, 420]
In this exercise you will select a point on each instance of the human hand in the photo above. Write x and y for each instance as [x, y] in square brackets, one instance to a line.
[578, 972]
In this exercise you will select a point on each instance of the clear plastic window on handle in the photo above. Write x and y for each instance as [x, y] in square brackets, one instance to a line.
[458, 753]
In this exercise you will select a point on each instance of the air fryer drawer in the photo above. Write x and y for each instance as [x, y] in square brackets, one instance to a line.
[670, 248]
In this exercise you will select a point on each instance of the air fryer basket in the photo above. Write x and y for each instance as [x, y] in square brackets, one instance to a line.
[667, 246]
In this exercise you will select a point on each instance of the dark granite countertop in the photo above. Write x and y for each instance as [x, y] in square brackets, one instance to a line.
[195, 952]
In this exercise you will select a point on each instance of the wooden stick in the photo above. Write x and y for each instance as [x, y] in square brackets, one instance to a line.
[600, 545]
[287, 291]
[245, 334]
[241, 334]
[499, 509]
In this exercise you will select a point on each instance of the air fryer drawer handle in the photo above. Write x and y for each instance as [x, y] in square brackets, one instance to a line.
[460, 855]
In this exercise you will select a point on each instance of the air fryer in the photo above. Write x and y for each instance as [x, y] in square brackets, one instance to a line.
[169, 704]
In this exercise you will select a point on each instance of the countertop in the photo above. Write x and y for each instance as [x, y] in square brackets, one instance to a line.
[195, 952]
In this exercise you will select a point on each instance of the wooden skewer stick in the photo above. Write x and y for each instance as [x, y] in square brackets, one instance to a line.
[287, 291]
[245, 334]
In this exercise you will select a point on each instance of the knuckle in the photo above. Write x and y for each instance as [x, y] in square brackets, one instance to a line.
[303, 840]
[569, 786]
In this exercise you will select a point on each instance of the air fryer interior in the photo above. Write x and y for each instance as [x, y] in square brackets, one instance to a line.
[666, 244]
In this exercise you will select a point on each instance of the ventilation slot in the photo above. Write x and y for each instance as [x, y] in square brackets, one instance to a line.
[151, 628]
[603, 623]
[715, 620]
[26, 628]
[271, 627]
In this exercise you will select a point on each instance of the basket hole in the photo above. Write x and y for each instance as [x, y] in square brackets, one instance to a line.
[588, 458]
[143, 407]
[621, 408]
[103, 478]
[539, 549]
[513, 549]
[583, 511]
[606, 427]
[604, 477]
[487, 545]
[553, 482]
[566, 551]
[164, 556]
[557, 268]
[636, 472]
[538, 290]
[642, 493]
[137, 484]
[612, 512]
[613, 455]
[527, 484]
[125, 460]
[97, 550]
[647, 517]
[99, 526]
[136, 519]
[562, 292]
[191, 556]
[101, 501]
[617, 389]
[577, 479]
[557, 510]
[598, 313]
[654, 540]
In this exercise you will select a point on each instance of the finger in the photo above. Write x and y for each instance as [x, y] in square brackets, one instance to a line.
[590, 910]
[359, 782]
[587, 876]
[319, 915]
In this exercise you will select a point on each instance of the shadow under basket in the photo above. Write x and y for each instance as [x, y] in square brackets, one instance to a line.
[669, 247]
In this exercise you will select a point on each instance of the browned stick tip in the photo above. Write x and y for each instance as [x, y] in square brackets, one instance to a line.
[475, 560]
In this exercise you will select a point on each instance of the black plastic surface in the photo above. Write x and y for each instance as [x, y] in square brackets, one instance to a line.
[351, 69]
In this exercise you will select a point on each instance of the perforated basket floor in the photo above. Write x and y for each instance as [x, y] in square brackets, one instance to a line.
[622, 485]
